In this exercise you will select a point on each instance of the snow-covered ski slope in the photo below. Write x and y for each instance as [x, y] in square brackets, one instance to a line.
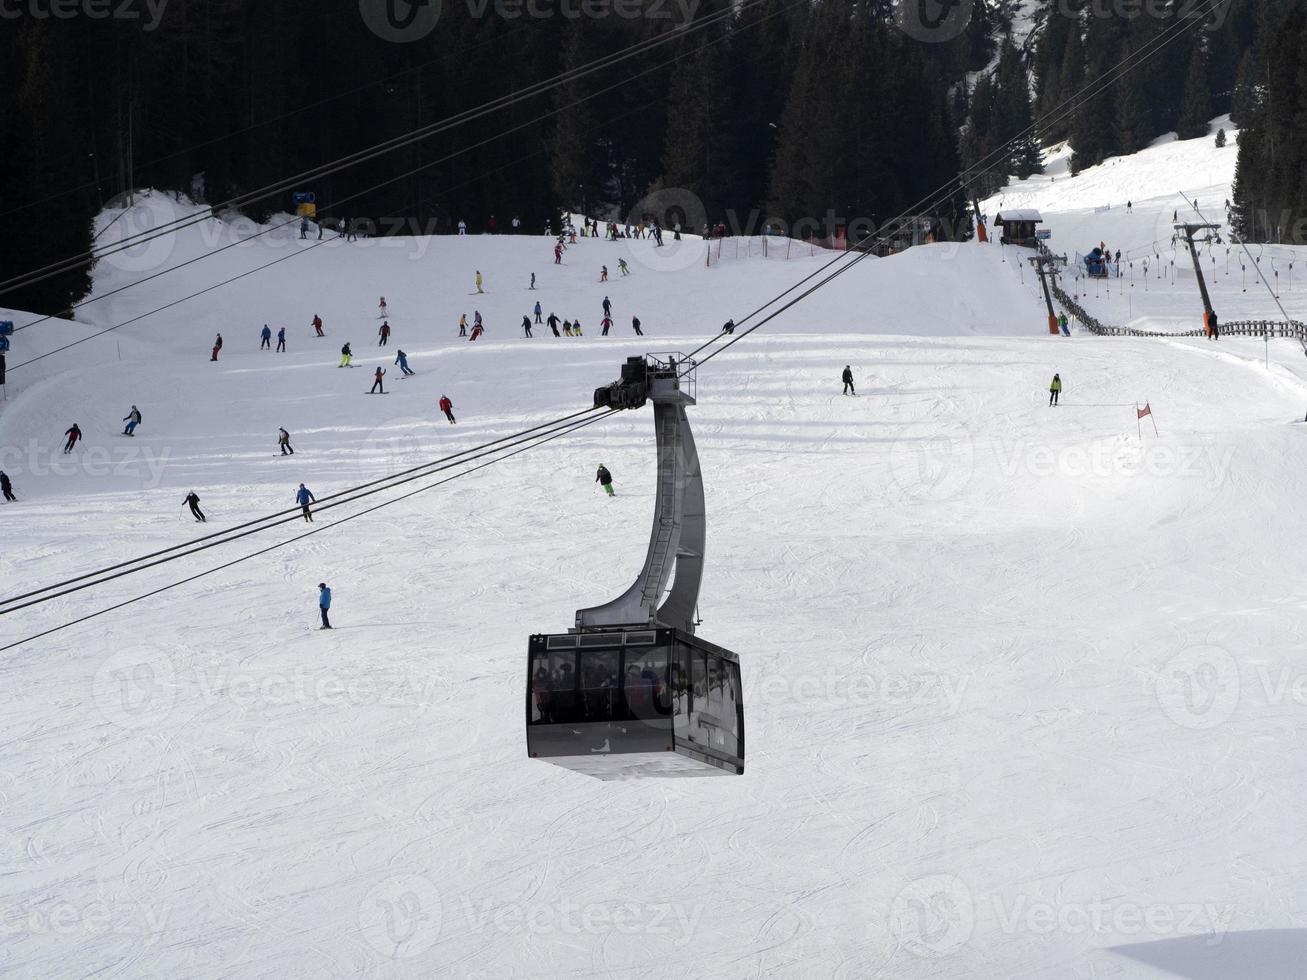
[1023, 693]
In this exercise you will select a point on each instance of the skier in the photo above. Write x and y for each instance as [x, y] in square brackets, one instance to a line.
[462, 227]
[608, 307]
[1211, 323]
[281, 340]
[605, 479]
[1062, 323]
[217, 346]
[317, 325]
[728, 326]
[73, 435]
[576, 328]
[462, 325]
[492, 225]
[304, 228]
[376, 382]
[553, 322]
[324, 604]
[479, 282]
[607, 322]
[6, 487]
[848, 380]
[538, 311]
[526, 324]
[567, 327]
[1054, 390]
[621, 267]
[265, 338]
[603, 273]
[477, 328]
[447, 407]
[304, 497]
[402, 360]
[533, 281]
[517, 224]
[133, 419]
[283, 440]
[558, 253]
[635, 325]
[194, 502]
[346, 355]
[381, 308]
[383, 333]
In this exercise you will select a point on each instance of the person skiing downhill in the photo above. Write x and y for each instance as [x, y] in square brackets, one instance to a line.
[193, 501]
[346, 355]
[538, 311]
[1062, 324]
[402, 360]
[217, 346]
[621, 267]
[567, 328]
[479, 282]
[304, 497]
[462, 325]
[6, 487]
[635, 325]
[281, 340]
[447, 407]
[317, 325]
[383, 333]
[376, 382]
[324, 604]
[73, 435]
[265, 338]
[526, 324]
[1054, 390]
[607, 322]
[283, 440]
[133, 419]
[381, 308]
[847, 377]
[608, 307]
[558, 254]
[605, 479]
[553, 323]
[603, 273]
[576, 328]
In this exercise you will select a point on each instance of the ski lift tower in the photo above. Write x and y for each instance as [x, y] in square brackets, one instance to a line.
[630, 691]
[1210, 233]
[1047, 264]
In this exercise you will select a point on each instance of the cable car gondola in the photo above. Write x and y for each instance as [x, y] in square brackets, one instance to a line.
[630, 691]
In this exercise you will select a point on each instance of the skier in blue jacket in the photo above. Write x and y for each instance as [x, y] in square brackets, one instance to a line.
[402, 360]
[266, 336]
[304, 497]
[324, 603]
[538, 311]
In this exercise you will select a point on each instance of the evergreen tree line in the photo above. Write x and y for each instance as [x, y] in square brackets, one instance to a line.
[784, 112]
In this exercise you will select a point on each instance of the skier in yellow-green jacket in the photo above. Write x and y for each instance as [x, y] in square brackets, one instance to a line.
[1054, 390]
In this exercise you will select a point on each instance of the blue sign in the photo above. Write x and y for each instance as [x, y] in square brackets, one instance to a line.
[304, 197]
[1043, 234]
[6, 326]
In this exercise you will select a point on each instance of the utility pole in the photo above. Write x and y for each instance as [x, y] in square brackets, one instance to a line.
[1047, 264]
[1189, 231]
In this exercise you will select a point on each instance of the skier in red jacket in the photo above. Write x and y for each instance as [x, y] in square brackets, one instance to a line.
[447, 407]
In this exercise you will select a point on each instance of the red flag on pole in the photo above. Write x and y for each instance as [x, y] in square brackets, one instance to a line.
[1146, 410]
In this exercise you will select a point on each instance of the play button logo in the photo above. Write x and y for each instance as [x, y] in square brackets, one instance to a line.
[400, 21]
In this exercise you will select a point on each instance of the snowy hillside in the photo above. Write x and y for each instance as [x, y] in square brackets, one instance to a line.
[1021, 688]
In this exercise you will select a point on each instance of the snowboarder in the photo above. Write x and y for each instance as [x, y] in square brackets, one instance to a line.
[477, 327]
[526, 324]
[847, 377]
[479, 282]
[383, 333]
[324, 604]
[402, 360]
[281, 340]
[538, 311]
[317, 325]
[73, 435]
[605, 479]
[1062, 323]
[462, 325]
[608, 307]
[193, 502]
[635, 325]
[346, 355]
[1054, 390]
[376, 382]
[621, 267]
[265, 338]
[217, 346]
[607, 322]
[304, 497]
[447, 407]
[283, 440]
[6, 487]
[133, 419]
[728, 326]
[553, 322]
[603, 273]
